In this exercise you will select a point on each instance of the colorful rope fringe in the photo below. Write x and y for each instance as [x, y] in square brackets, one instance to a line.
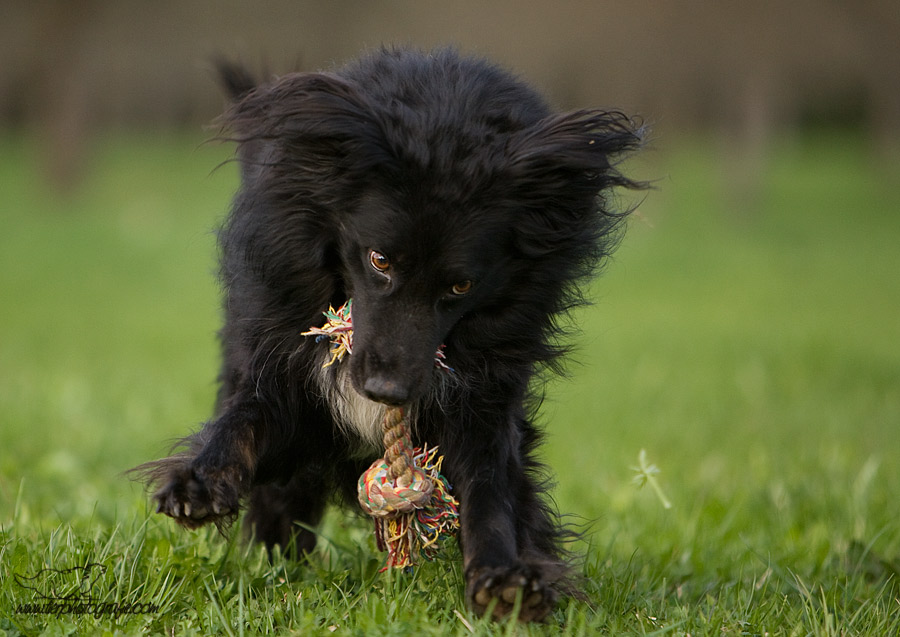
[339, 328]
[404, 492]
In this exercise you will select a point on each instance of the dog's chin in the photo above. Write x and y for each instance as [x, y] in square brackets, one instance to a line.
[356, 414]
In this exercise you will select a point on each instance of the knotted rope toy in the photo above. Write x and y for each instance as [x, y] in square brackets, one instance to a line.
[404, 492]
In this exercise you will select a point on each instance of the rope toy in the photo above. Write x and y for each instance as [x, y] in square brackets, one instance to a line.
[404, 492]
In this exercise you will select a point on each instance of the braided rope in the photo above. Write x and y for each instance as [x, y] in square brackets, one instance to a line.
[394, 484]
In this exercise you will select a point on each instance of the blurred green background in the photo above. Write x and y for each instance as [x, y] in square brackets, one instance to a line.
[746, 334]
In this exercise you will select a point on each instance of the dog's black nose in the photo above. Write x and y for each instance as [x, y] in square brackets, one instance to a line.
[385, 391]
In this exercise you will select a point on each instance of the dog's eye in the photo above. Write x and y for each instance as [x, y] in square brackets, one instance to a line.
[461, 288]
[379, 261]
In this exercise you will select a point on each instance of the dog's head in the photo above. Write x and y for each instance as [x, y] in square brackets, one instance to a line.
[414, 271]
[440, 194]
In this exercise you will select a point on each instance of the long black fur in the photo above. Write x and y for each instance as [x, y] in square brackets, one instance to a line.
[458, 174]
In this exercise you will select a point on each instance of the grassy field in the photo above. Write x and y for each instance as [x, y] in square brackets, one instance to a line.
[750, 345]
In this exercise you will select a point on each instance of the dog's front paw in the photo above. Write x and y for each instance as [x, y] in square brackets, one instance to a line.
[193, 497]
[497, 589]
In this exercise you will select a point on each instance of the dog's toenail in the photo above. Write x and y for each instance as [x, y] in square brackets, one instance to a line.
[483, 597]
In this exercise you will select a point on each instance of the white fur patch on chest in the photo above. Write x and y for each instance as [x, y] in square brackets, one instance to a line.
[354, 413]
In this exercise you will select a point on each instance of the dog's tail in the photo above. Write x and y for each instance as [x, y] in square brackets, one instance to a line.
[234, 78]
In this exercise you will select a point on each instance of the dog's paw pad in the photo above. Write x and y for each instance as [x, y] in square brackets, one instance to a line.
[499, 589]
[193, 500]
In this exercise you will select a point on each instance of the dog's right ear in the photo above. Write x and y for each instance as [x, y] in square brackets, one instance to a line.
[304, 123]
[235, 79]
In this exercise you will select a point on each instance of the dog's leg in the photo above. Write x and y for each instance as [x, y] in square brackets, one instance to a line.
[509, 540]
[206, 482]
[282, 514]
[275, 510]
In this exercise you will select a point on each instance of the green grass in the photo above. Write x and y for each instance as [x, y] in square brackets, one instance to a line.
[751, 347]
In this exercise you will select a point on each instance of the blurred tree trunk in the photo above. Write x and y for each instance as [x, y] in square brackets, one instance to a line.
[881, 24]
[63, 113]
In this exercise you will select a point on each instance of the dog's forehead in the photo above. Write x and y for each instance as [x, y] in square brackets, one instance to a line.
[422, 229]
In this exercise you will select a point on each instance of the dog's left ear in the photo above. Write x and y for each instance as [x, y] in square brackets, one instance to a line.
[574, 152]
[559, 173]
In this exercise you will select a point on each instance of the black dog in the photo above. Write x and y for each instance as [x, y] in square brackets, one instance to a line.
[446, 199]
